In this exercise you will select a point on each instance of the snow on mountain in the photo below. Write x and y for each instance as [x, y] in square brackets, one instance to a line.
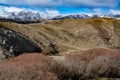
[82, 16]
[74, 16]
[31, 15]
[17, 13]
[28, 15]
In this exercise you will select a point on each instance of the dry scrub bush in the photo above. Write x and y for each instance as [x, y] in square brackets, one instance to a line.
[93, 63]
[52, 49]
[27, 67]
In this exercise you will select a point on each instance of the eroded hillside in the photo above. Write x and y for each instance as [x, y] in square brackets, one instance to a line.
[65, 36]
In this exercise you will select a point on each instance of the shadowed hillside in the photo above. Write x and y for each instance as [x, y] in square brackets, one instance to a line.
[13, 43]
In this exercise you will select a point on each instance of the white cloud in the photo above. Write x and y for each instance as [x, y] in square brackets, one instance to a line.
[91, 3]
[97, 10]
[52, 13]
[55, 12]
[39, 3]
[44, 2]
[5, 10]
[71, 3]
[13, 9]
[114, 11]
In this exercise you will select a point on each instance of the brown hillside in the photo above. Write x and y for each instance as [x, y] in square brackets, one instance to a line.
[71, 35]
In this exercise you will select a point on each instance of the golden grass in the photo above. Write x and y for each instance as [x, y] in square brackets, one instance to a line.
[80, 34]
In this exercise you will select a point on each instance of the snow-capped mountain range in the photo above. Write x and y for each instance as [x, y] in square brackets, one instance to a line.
[82, 16]
[29, 15]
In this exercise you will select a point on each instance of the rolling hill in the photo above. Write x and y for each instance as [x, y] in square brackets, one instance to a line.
[63, 36]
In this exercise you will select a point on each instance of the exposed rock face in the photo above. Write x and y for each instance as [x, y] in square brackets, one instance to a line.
[12, 44]
[2, 52]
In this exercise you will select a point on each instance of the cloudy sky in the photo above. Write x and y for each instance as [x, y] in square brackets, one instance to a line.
[61, 6]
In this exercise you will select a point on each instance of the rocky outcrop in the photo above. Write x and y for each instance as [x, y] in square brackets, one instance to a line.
[13, 44]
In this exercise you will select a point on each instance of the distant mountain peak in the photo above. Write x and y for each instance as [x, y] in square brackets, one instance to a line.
[31, 15]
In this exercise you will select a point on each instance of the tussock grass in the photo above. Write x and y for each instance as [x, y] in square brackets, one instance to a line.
[27, 67]
[90, 64]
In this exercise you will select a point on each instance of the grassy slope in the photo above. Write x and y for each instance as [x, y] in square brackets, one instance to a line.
[72, 35]
[83, 34]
